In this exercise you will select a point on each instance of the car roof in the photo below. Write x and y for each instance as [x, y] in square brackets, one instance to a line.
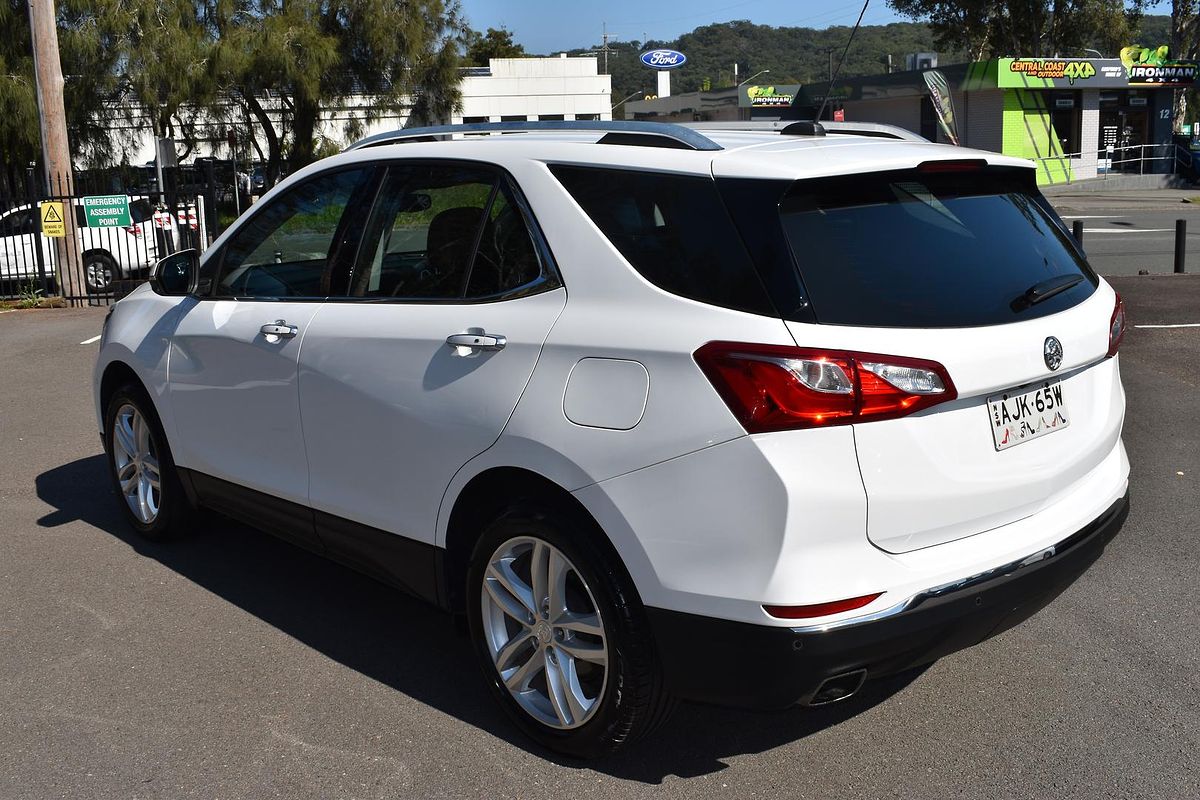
[745, 150]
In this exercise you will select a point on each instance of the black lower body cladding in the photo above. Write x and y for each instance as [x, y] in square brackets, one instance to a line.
[755, 666]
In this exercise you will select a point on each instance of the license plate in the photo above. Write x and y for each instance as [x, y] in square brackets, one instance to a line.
[1020, 418]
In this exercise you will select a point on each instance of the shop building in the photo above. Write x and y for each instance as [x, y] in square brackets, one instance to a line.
[1077, 118]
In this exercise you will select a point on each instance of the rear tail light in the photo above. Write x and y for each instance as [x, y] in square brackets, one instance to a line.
[776, 388]
[820, 609]
[1116, 327]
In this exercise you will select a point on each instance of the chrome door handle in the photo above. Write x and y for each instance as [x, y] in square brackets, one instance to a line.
[477, 341]
[279, 328]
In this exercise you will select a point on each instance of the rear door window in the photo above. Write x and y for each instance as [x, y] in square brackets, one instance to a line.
[931, 249]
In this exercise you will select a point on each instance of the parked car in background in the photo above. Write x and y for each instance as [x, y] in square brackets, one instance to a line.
[743, 416]
[107, 254]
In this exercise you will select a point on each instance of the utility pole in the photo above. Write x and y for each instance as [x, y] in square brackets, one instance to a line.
[56, 151]
[605, 49]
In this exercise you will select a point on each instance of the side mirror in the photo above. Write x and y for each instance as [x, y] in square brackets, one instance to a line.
[175, 275]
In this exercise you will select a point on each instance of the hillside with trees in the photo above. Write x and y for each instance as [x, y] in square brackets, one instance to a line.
[802, 55]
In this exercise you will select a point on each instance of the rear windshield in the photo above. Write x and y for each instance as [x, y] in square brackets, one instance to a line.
[931, 249]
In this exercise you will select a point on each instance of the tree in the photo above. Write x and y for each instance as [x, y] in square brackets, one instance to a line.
[284, 63]
[20, 141]
[493, 44]
[993, 28]
[166, 48]
[89, 53]
[1185, 44]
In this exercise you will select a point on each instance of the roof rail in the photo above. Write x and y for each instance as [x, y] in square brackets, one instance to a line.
[647, 134]
[873, 129]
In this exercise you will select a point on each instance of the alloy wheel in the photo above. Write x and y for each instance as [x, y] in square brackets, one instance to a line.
[136, 461]
[543, 630]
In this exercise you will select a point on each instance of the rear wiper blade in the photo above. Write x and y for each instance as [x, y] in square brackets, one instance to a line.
[1044, 290]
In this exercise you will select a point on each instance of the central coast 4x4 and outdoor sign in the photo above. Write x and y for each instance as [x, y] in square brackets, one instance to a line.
[107, 211]
[1137, 67]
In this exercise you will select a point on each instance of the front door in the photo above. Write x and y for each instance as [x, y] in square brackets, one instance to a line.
[233, 367]
[393, 403]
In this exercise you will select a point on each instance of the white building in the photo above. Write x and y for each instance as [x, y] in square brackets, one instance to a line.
[508, 90]
[528, 89]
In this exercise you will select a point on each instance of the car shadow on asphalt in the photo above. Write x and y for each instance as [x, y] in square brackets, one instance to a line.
[372, 628]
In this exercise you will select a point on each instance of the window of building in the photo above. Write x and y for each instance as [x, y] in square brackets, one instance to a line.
[551, 117]
[1066, 118]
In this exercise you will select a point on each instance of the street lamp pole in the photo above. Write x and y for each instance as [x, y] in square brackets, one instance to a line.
[635, 94]
[752, 77]
[755, 75]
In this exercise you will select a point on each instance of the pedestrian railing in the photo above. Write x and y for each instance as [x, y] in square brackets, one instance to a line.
[1134, 159]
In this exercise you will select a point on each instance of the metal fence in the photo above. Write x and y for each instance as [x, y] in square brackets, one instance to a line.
[1135, 159]
[95, 261]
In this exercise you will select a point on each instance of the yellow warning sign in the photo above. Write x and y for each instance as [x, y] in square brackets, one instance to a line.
[52, 219]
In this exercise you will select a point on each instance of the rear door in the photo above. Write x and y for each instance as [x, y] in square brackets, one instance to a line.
[963, 266]
[417, 368]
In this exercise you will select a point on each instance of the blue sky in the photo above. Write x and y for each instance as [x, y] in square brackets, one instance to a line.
[543, 26]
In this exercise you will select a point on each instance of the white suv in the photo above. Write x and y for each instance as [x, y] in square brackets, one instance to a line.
[734, 416]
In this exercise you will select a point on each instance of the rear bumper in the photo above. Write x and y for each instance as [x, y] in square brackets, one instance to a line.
[756, 666]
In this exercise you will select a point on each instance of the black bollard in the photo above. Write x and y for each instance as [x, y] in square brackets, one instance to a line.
[1180, 245]
[1077, 231]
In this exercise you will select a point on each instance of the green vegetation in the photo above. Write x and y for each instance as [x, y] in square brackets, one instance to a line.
[493, 44]
[985, 29]
[802, 55]
[200, 69]
[29, 296]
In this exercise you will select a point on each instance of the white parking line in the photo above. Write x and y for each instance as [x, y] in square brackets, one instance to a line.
[1183, 325]
[1125, 230]
[92, 340]
[1092, 216]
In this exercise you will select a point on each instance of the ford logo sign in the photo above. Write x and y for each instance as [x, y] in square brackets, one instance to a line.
[664, 59]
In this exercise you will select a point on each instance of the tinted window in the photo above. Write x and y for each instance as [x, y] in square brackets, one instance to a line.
[288, 249]
[507, 256]
[929, 249]
[19, 223]
[423, 232]
[140, 210]
[445, 232]
[674, 230]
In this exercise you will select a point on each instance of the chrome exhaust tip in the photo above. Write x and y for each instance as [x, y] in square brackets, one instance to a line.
[838, 688]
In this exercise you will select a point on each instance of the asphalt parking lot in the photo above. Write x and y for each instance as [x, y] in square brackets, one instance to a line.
[1125, 233]
[231, 665]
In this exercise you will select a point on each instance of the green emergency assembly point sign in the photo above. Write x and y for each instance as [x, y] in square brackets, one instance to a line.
[107, 211]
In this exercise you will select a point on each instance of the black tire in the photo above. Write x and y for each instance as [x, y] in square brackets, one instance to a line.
[99, 272]
[174, 513]
[634, 700]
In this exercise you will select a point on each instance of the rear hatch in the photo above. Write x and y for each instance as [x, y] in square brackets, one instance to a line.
[964, 265]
